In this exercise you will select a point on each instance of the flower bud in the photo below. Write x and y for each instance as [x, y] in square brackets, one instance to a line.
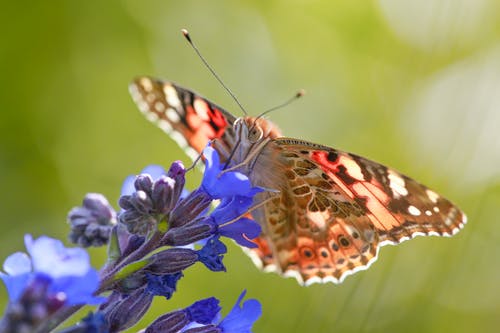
[92, 222]
[127, 311]
[171, 261]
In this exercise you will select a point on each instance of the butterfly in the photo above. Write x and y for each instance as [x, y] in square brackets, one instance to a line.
[331, 211]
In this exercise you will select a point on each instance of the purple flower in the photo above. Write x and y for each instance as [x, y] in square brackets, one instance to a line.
[67, 271]
[241, 319]
[219, 184]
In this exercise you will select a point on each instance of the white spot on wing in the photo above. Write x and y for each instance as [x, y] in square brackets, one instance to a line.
[151, 116]
[134, 92]
[159, 106]
[181, 141]
[143, 106]
[319, 218]
[397, 184]
[352, 167]
[312, 280]
[414, 211]
[171, 96]
[165, 126]
[172, 115]
[146, 84]
[432, 195]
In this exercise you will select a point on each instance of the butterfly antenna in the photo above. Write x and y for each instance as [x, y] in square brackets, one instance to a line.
[188, 38]
[197, 159]
[295, 97]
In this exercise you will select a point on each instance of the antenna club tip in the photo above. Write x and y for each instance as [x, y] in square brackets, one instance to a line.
[186, 34]
[300, 93]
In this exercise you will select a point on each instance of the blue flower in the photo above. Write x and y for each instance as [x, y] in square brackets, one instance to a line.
[225, 217]
[18, 269]
[204, 311]
[67, 271]
[227, 184]
[212, 253]
[241, 319]
[198, 315]
[163, 285]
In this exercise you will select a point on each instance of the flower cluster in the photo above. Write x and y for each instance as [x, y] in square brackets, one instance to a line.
[160, 231]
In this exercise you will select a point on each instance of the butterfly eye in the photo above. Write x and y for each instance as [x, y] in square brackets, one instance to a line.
[255, 134]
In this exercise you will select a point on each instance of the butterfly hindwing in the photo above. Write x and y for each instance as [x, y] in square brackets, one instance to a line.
[337, 209]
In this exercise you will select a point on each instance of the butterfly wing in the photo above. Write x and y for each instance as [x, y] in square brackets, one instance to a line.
[336, 209]
[191, 120]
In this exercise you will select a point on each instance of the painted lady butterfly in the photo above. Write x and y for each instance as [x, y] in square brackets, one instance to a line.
[334, 209]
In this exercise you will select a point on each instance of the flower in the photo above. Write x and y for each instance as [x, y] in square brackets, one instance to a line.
[229, 223]
[68, 270]
[212, 253]
[241, 319]
[219, 183]
[49, 278]
[92, 222]
[151, 198]
[204, 311]
[163, 285]
[198, 314]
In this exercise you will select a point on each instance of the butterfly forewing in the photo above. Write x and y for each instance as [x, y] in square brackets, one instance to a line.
[191, 120]
[333, 209]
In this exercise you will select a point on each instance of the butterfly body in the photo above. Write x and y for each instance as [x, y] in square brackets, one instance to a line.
[328, 212]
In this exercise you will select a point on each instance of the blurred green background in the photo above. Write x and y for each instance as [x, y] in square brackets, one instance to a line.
[415, 85]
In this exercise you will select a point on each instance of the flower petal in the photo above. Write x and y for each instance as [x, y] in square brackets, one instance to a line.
[240, 320]
[241, 231]
[49, 256]
[17, 263]
[212, 253]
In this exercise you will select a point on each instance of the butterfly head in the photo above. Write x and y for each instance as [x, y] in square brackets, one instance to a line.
[252, 134]
[255, 129]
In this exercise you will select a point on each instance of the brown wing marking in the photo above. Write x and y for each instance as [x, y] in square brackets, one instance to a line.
[336, 209]
[316, 232]
[399, 207]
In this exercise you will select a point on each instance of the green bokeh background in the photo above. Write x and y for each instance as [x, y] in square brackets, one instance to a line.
[415, 85]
